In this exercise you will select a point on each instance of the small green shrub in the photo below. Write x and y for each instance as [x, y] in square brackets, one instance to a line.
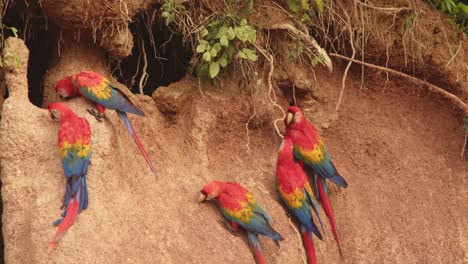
[170, 9]
[224, 38]
[456, 9]
[8, 58]
[302, 9]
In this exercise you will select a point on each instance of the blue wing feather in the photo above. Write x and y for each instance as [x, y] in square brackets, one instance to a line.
[117, 100]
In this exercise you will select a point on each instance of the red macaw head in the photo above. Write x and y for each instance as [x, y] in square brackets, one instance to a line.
[294, 115]
[211, 191]
[60, 112]
[65, 88]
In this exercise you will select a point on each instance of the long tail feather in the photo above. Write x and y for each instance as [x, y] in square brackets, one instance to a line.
[322, 187]
[132, 132]
[255, 247]
[67, 222]
[309, 245]
[317, 213]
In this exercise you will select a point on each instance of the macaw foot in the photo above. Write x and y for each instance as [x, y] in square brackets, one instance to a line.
[95, 113]
[228, 228]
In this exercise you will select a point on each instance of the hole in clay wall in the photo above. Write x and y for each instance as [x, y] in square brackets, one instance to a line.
[167, 61]
[40, 40]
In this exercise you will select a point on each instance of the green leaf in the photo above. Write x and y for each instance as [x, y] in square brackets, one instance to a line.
[230, 33]
[170, 19]
[292, 5]
[213, 52]
[243, 22]
[214, 69]
[224, 41]
[319, 4]
[14, 31]
[204, 32]
[463, 8]
[221, 32]
[207, 56]
[242, 54]
[240, 34]
[201, 48]
[223, 60]
[251, 35]
[165, 14]
[250, 54]
[217, 47]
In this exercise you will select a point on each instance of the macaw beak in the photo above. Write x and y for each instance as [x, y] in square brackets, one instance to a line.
[289, 118]
[202, 198]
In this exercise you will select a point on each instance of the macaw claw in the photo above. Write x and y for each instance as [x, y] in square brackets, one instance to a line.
[228, 227]
[95, 113]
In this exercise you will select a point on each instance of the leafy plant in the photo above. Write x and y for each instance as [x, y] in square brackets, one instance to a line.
[302, 9]
[170, 9]
[456, 9]
[223, 39]
[9, 58]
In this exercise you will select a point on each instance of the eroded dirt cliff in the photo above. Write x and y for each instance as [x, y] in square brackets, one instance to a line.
[398, 148]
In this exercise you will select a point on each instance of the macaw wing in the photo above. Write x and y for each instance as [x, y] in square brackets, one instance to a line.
[250, 219]
[110, 97]
[75, 162]
[319, 160]
[298, 204]
[260, 223]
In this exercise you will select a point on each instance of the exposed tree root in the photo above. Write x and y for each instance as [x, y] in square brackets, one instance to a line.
[464, 145]
[343, 84]
[144, 73]
[271, 91]
[454, 99]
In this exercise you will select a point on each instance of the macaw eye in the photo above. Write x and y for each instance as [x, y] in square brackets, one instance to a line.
[55, 115]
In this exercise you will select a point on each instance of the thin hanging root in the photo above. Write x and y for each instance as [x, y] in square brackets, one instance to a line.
[431, 87]
[308, 40]
[58, 42]
[343, 84]
[144, 74]
[270, 59]
[455, 55]
[464, 145]
[299, 239]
